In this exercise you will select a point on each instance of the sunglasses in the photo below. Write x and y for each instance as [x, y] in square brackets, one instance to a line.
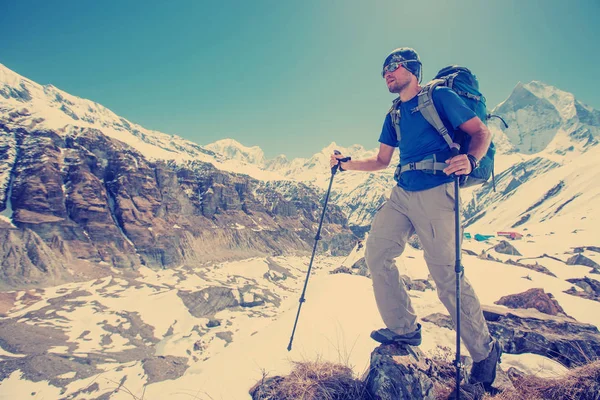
[391, 67]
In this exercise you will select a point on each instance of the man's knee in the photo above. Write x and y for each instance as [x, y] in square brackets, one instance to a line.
[380, 252]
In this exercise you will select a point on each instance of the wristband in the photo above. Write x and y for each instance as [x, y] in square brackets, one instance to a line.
[474, 162]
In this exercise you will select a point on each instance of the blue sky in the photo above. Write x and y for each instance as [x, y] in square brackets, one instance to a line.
[289, 76]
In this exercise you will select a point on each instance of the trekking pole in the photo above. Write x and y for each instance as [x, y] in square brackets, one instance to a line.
[317, 238]
[458, 270]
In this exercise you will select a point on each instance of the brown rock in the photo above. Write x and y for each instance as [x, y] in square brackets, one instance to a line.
[533, 298]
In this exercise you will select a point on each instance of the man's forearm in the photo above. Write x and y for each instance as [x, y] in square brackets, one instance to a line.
[367, 164]
[480, 143]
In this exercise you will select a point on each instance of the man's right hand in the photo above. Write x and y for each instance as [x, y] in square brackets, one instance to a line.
[334, 160]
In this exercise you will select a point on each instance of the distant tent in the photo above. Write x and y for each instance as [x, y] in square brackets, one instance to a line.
[510, 235]
[482, 238]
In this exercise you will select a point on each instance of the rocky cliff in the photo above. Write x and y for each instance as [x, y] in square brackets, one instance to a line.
[80, 203]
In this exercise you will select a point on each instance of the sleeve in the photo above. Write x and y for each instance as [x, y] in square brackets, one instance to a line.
[388, 133]
[451, 107]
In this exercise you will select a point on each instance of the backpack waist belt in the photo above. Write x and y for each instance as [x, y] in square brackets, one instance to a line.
[428, 165]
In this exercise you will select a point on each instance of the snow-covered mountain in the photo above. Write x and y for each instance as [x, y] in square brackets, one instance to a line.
[211, 332]
[548, 129]
[234, 150]
[542, 118]
[33, 106]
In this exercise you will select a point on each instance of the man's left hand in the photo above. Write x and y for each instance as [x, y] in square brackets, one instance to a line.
[459, 165]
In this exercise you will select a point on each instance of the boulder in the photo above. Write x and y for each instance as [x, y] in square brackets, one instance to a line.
[416, 284]
[506, 248]
[533, 298]
[399, 373]
[341, 270]
[559, 338]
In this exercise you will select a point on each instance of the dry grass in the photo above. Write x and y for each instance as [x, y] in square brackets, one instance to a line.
[318, 380]
[580, 383]
[313, 380]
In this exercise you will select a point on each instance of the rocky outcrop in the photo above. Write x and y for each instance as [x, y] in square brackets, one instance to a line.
[506, 248]
[591, 288]
[207, 302]
[533, 298]
[26, 259]
[534, 267]
[399, 373]
[161, 368]
[86, 199]
[580, 259]
[420, 285]
[563, 339]
[560, 338]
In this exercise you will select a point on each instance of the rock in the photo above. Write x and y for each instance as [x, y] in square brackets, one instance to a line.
[591, 286]
[227, 336]
[415, 242]
[506, 248]
[469, 252]
[533, 298]
[209, 301]
[534, 267]
[559, 338]
[213, 323]
[486, 256]
[441, 320]
[341, 270]
[161, 368]
[397, 373]
[580, 259]
[50, 368]
[361, 265]
[581, 249]
[418, 284]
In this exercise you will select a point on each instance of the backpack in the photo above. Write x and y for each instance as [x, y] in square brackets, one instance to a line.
[462, 81]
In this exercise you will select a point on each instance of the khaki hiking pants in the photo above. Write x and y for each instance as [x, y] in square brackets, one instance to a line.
[429, 213]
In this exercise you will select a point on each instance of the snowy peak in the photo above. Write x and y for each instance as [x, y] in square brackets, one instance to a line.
[24, 103]
[562, 101]
[544, 118]
[234, 150]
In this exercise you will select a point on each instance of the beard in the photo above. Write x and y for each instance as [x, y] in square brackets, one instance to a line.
[397, 87]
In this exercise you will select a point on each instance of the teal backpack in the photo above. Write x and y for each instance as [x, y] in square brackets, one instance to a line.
[462, 81]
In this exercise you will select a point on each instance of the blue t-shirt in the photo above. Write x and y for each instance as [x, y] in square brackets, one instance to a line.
[420, 140]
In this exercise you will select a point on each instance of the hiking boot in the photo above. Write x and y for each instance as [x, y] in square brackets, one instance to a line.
[484, 371]
[386, 336]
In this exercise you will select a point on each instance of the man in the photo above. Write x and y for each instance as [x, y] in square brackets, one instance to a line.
[423, 202]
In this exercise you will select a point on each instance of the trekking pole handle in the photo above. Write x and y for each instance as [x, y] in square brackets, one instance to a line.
[454, 149]
[334, 169]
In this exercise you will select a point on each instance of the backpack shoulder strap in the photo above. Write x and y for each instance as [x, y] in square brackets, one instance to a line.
[430, 113]
[395, 116]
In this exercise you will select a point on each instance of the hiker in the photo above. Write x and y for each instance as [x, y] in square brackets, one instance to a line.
[423, 202]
